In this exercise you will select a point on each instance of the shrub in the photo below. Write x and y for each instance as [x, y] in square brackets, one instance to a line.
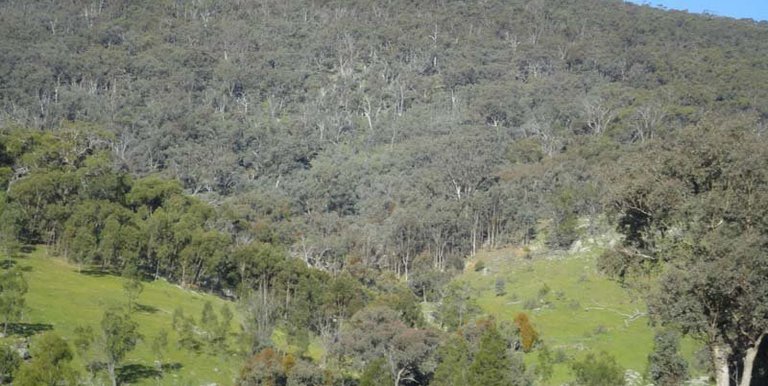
[530, 304]
[665, 365]
[544, 290]
[598, 370]
[376, 373]
[528, 335]
[500, 287]
[560, 356]
[9, 363]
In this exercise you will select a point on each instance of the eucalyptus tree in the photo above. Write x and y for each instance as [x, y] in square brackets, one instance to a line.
[695, 209]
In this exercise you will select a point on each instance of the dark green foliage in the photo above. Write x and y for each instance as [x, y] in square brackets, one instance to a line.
[50, 364]
[425, 281]
[9, 363]
[11, 220]
[598, 370]
[454, 359]
[458, 306]
[686, 225]
[376, 373]
[480, 354]
[95, 215]
[491, 364]
[185, 328]
[614, 264]
[13, 288]
[545, 360]
[152, 192]
[563, 231]
[405, 303]
[666, 367]
[500, 287]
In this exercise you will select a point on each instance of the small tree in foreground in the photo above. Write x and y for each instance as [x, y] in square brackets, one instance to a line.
[13, 288]
[454, 361]
[598, 370]
[9, 363]
[491, 364]
[544, 365]
[665, 365]
[528, 335]
[84, 337]
[132, 286]
[50, 364]
[120, 335]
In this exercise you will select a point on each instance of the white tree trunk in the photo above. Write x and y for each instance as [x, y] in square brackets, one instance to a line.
[398, 376]
[474, 235]
[112, 373]
[749, 361]
[720, 357]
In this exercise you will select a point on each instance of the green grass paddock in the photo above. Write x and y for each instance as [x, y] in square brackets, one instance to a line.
[62, 298]
[574, 308]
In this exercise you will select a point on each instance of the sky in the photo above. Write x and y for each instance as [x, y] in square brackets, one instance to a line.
[753, 9]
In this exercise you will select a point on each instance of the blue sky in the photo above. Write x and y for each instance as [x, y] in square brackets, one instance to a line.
[753, 9]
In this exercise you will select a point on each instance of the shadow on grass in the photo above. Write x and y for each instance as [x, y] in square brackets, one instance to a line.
[99, 272]
[174, 366]
[134, 373]
[145, 308]
[28, 329]
[96, 271]
[28, 248]
[9, 263]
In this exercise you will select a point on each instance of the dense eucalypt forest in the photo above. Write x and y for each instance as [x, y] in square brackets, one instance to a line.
[330, 167]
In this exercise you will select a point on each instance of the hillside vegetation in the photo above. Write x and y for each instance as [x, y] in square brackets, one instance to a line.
[336, 167]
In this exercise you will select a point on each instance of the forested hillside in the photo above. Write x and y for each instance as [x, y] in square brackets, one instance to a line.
[331, 165]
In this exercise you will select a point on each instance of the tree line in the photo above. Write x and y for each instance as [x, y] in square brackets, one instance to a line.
[353, 127]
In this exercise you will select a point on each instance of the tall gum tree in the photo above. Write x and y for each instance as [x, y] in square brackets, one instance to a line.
[696, 208]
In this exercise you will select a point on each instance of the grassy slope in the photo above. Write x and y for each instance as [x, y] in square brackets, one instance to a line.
[582, 310]
[61, 296]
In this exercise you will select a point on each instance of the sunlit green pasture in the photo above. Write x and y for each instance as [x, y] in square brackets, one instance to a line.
[574, 307]
[62, 297]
